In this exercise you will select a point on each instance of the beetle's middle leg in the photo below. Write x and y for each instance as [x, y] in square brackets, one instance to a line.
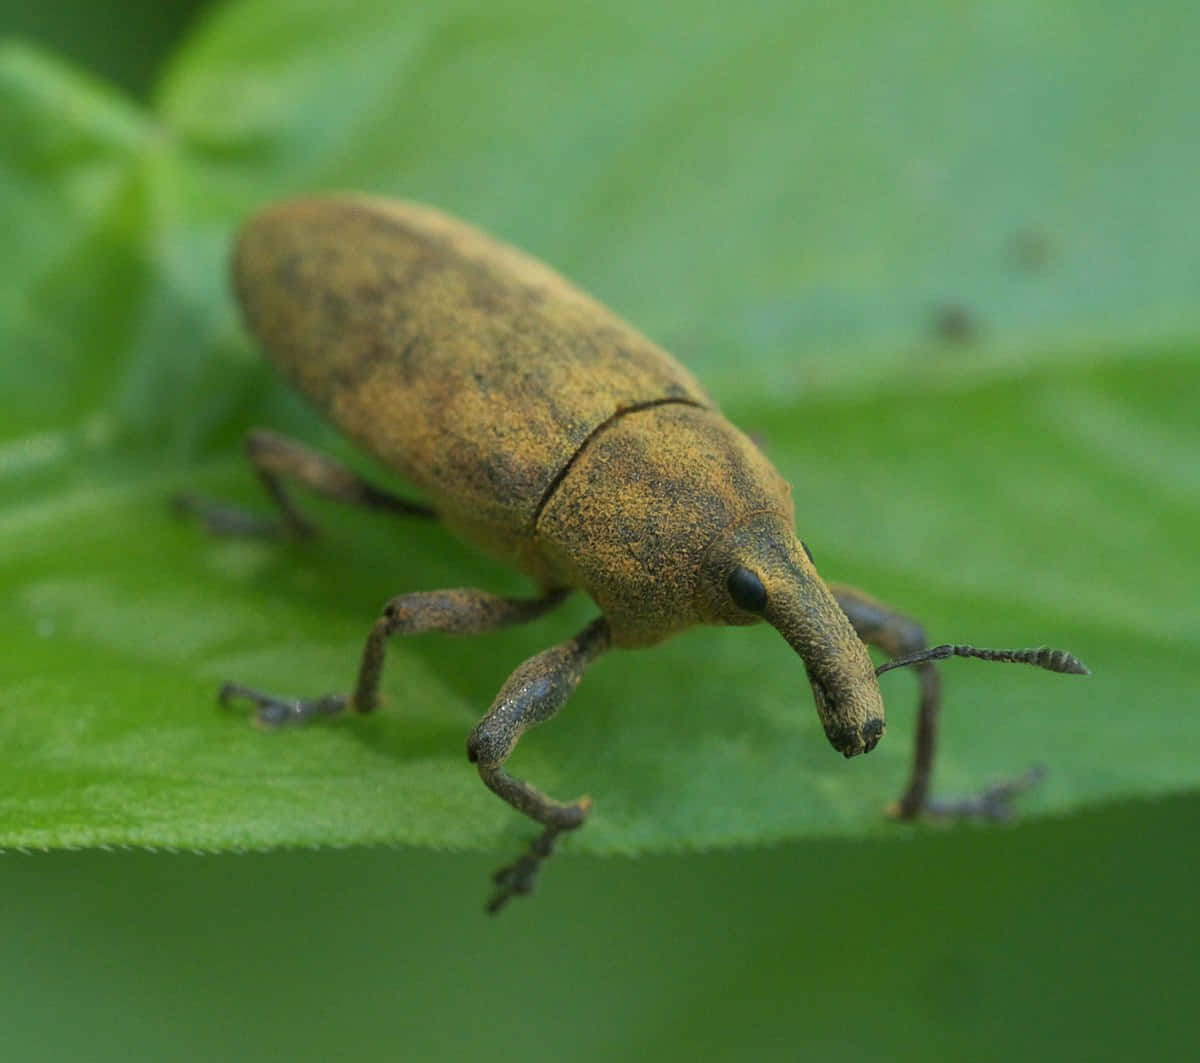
[278, 459]
[896, 634]
[532, 694]
[462, 611]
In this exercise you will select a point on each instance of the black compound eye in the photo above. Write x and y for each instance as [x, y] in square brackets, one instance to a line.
[747, 590]
[807, 551]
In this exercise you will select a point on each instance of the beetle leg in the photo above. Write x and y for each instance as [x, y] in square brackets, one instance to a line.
[462, 611]
[533, 693]
[896, 634]
[277, 458]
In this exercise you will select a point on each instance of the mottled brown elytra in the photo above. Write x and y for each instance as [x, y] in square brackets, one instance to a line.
[546, 431]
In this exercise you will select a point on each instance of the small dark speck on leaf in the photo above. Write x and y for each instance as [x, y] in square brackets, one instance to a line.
[1031, 249]
[954, 323]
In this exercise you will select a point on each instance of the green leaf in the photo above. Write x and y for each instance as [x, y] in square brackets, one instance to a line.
[941, 261]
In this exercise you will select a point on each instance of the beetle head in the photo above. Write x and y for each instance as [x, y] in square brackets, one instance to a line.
[758, 570]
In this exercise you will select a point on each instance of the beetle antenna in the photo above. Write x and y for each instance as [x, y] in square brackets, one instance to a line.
[1041, 657]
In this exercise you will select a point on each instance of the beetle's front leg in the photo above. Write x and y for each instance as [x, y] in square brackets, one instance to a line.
[532, 694]
[896, 634]
[461, 611]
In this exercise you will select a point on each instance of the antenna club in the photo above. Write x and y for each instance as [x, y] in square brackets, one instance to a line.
[1040, 657]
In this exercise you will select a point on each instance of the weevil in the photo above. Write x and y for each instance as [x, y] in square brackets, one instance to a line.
[544, 430]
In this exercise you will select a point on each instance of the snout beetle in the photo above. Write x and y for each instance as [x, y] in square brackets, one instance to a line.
[547, 432]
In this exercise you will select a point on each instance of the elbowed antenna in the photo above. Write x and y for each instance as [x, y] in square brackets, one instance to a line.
[1041, 657]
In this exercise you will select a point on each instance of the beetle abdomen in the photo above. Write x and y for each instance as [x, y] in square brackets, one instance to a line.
[471, 368]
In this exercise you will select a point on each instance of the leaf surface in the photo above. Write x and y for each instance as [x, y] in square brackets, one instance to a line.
[942, 262]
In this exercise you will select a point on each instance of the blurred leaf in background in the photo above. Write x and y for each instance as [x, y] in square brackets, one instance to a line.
[942, 261]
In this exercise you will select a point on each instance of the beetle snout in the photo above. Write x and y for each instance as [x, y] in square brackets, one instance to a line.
[846, 735]
[850, 742]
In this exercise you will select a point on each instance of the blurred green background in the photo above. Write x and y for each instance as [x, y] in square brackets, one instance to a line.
[1062, 277]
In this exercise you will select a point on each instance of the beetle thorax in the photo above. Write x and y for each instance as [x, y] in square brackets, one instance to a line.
[640, 505]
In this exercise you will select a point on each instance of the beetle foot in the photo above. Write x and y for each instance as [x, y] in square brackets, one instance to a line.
[995, 803]
[274, 711]
[518, 878]
[220, 518]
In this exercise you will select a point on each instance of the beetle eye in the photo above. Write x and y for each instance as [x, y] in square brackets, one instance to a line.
[747, 590]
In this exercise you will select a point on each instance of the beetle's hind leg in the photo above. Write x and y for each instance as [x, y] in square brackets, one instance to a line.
[278, 459]
[461, 611]
[896, 634]
[533, 693]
